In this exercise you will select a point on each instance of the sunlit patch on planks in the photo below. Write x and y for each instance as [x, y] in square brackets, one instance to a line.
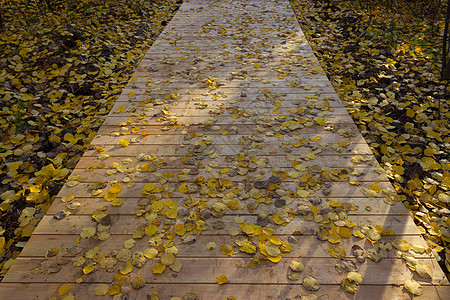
[227, 157]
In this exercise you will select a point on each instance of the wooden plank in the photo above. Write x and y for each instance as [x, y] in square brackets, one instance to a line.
[365, 206]
[300, 47]
[329, 138]
[222, 65]
[307, 246]
[133, 150]
[332, 160]
[231, 101]
[254, 291]
[286, 99]
[124, 224]
[224, 61]
[234, 98]
[368, 163]
[319, 85]
[241, 129]
[174, 42]
[183, 121]
[245, 113]
[224, 77]
[223, 68]
[204, 41]
[205, 270]
[250, 108]
[273, 119]
[253, 88]
[187, 68]
[197, 31]
[331, 190]
[368, 174]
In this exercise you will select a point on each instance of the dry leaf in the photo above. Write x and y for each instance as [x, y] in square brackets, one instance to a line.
[310, 283]
[222, 279]
[413, 287]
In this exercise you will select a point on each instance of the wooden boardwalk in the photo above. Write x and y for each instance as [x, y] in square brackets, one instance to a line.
[228, 135]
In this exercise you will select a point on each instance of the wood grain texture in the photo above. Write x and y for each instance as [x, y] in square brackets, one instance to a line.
[254, 291]
[400, 224]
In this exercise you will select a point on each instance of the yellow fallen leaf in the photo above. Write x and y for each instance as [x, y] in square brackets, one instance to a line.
[88, 232]
[115, 188]
[310, 283]
[124, 143]
[272, 250]
[176, 266]
[348, 286]
[345, 232]
[67, 198]
[158, 268]
[138, 282]
[63, 289]
[354, 277]
[296, 266]
[151, 230]
[417, 248]
[222, 279]
[337, 252]
[413, 287]
[370, 193]
[150, 253]
[319, 121]
[210, 245]
[128, 244]
[101, 289]
[88, 269]
[167, 259]
[400, 244]
[343, 143]
[302, 193]
[371, 233]
[183, 188]
[336, 203]
[126, 268]
[429, 152]
[117, 202]
[375, 187]
[424, 271]
[227, 249]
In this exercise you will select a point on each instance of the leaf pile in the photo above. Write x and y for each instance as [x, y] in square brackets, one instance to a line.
[61, 69]
[384, 62]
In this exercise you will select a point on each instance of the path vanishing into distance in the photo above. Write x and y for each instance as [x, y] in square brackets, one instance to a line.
[227, 169]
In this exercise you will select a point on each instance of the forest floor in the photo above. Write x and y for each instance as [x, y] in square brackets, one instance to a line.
[62, 70]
